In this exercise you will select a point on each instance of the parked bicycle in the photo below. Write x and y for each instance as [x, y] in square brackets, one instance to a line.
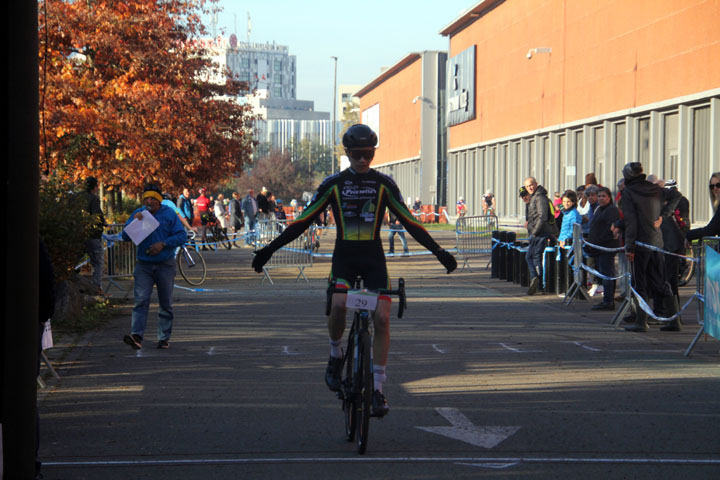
[190, 262]
[687, 267]
[358, 383]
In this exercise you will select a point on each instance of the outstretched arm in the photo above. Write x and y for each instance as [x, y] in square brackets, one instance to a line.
[296, 228]
[418, 232]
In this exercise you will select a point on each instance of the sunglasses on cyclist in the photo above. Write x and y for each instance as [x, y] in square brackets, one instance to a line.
[715, 185]
[358, 154]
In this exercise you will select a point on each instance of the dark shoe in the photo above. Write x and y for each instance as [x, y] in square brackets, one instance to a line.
[641, 322]
[134, 340]
[532, 289]
[629, 318]
[673, 326]
[604, 306]
[163, 344]
[332, 374]
[380, 406]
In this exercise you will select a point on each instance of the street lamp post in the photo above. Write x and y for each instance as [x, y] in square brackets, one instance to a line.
[333, 115]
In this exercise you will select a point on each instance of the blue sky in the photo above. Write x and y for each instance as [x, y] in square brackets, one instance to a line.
[364, 35]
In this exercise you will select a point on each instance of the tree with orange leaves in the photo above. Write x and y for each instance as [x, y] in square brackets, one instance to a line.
[127, 95]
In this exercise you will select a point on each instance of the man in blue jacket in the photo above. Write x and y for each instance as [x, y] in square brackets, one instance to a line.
[155, 265]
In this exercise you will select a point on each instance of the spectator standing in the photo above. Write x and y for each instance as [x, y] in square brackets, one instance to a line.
[272, 205]
[417, 206]
[263, 204]
[280, 211]
[172, 204]
[249, 208]
[713, 227]
[525, 196]
[155, 265]
[642, 208]
[601, 234]
[203, 206]
[570, 217]
[396, 228]
[542, 229]
[489, 204]
[461, 208]
[236, 214]
[582, 206]
[184, 204]
[94, 243]
[221, 213]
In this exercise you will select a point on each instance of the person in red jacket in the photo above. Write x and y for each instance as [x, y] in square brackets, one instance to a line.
[203, 205]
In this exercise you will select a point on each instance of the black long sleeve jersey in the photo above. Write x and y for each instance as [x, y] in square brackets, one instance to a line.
[358, 203]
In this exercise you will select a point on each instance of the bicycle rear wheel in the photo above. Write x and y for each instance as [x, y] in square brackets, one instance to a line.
[686, 270]
[192, 266]
[365, 380]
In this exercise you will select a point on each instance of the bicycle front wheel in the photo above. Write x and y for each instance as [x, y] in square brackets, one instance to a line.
[192, 266]
[349, 398]
[365, 378]
[686, 271]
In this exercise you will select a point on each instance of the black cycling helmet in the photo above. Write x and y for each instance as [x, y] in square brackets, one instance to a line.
[359, 136]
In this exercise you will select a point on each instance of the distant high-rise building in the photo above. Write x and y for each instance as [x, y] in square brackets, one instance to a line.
[264, 66]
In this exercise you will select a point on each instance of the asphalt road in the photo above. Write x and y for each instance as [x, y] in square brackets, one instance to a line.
[483, 381]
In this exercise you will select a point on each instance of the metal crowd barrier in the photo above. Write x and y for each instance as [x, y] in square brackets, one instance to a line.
[473, 237]
[714, 243]
[297, 254]
[119, 258]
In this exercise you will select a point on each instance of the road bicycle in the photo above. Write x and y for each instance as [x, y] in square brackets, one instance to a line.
[190, 262]
[357, 385]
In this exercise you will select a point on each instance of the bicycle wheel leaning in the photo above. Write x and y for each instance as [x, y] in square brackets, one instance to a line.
[222, 238]
[365, 389]
[192, 266]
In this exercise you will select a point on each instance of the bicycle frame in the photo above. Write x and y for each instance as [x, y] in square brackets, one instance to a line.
[358, 386]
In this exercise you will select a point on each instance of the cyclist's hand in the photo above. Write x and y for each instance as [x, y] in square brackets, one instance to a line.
[446, 259]
[261, 258]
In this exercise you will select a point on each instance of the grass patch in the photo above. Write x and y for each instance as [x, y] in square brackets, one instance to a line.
[93, 316]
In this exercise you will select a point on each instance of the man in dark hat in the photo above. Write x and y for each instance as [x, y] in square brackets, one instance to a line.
[93, 244]
[642, 208]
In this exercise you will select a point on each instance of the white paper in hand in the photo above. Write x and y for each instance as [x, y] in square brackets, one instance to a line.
[138, 230]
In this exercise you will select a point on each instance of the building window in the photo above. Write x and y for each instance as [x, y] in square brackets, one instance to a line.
[671, 146]
[598, 152]
[619, 144]
[644, 141]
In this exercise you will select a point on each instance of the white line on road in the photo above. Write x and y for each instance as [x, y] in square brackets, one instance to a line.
[344, 459]
[439, 350]
[586, 347]
[518, 350]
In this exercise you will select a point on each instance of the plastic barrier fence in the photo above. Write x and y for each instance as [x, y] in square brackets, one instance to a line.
[297, 254]
[473, 237]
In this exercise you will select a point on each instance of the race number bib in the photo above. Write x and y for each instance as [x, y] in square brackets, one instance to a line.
[361, 300]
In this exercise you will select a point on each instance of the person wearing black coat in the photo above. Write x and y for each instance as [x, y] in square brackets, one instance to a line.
[605, 215]
[642, 208]
[542, 229]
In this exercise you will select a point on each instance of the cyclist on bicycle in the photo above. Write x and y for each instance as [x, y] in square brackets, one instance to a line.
[358, 197]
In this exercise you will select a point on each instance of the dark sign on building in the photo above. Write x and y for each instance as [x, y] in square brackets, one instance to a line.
[461, 87]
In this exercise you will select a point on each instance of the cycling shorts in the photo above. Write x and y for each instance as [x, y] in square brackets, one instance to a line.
[359, 258]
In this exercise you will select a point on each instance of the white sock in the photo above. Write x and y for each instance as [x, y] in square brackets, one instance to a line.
[379, 376]
[335, 350]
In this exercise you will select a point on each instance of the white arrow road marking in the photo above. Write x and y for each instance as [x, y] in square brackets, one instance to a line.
[463, 429]
[439, 350]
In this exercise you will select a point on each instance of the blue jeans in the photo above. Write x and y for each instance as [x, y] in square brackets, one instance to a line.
[146, 275]
[96, 252]
[391, 240]
[534, 256]
[250, 222]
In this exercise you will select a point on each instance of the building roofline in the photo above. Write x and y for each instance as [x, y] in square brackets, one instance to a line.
[469, 16]
[400, 65]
